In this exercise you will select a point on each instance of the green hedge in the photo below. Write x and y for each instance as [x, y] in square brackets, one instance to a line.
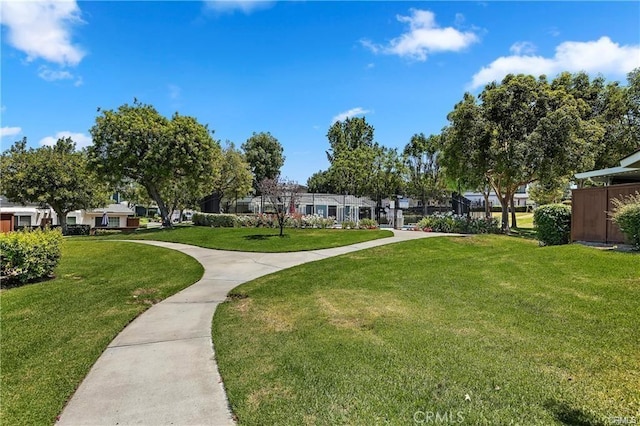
[449, 222]
[552, 223]
[214, 220]
[626, 214]
[29, 255]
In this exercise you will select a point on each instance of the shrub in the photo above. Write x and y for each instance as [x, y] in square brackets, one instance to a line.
[552, 223]
[348, 224]
[214, 220]
[449, 222]
[367, 224]
[28, 255]
[626, 214]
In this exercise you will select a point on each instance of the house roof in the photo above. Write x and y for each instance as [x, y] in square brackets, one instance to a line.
[111, 209]
[629, 168]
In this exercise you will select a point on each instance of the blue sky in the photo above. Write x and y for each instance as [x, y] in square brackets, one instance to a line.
[290, 68]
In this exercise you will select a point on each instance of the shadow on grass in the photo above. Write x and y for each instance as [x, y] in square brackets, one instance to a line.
[568, 415]
[263, 237]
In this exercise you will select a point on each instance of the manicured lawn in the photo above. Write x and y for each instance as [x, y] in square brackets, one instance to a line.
[264, 240]
[490, 329]
[524, 220]
[53, 332]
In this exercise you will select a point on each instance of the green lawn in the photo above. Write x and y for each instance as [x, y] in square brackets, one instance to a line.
[54, 331]
[524, 220]
[264, 240]
[487, 329]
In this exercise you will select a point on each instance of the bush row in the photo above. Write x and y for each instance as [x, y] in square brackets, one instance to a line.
[362, 224]
[28, 255]
[449, 222]
[260, 221]
[552, 223]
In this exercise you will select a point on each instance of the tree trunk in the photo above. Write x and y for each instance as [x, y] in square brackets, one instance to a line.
[487, 207]
[514, 223]
[164, 213]
[425, 210]
[62, 219]
[504, 202]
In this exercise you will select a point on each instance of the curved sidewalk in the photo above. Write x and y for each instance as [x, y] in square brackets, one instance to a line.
[161, 368]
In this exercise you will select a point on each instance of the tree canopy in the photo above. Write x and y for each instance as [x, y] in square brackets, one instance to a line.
[521, 130]
[176, 160]
[56, 175]
[425, 179]
[235, 177]
[265, 156]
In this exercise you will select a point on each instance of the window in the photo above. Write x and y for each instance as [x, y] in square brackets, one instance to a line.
[333, 211]
[308, 209]
[114, 222]
[23, 221]
[71, 220]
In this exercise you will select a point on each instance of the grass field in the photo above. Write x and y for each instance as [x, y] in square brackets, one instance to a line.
[524, 220]
[487, 329]
[54, 331]
[264, 240]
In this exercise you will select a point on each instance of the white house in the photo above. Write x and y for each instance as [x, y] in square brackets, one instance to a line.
[15, 215]
[520, 198]
[339, 206]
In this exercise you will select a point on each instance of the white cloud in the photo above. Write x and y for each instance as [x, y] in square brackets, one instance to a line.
[80, 139]
[42, 29]
[10, 131]
[174, 91]
[600, 56]
[51, 75]
[244, 6]
[348, 114]
[522, 48]
[424, 37]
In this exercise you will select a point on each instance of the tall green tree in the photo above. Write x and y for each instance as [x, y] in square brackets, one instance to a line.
[320, 182]
[349, 135]
[170, 158]
[387, 175]
[235, 178]
[265, 155]
[56, 175]
[612, 106]
[526, 130]
[425, 179]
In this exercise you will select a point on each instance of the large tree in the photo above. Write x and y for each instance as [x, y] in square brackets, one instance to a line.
[171, 158]
[387, 176]
[320, 182]
[613, 107]
[351, 153]
[265, 155]
[56, 175]
[425, 180]
[524, 130]
[349, 135]
[235, 177]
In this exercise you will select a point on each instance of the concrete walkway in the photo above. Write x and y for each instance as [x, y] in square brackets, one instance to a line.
[161, 369]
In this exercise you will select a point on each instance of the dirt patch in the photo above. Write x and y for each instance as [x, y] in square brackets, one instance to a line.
[145, 296]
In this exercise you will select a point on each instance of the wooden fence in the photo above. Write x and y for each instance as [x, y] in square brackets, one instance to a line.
[589, 213]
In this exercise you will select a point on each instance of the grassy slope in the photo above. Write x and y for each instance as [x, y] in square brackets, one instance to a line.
[264, 240]
[532, 335]
[53, 332]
